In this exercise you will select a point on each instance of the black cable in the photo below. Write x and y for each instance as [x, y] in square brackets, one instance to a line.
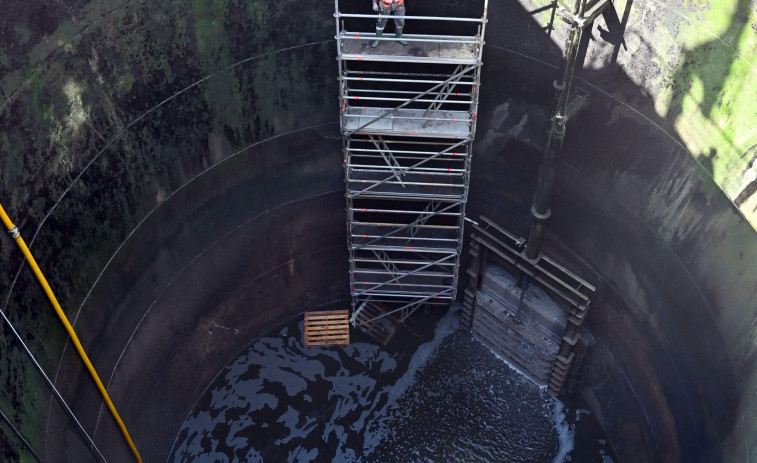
[20, 436]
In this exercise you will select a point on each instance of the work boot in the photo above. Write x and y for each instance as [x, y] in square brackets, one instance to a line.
[398, 34]
[376, 43]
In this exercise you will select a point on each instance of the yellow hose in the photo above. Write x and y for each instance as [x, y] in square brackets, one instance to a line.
[21, 244]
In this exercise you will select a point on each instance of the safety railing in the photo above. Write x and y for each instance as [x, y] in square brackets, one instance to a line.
[475, 40]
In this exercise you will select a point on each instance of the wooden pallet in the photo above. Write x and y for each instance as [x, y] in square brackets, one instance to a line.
[327, 328]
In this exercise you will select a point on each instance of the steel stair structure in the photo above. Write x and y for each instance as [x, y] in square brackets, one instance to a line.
[408, 120]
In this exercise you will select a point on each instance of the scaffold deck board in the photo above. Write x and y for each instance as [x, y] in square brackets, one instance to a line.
[327, 328]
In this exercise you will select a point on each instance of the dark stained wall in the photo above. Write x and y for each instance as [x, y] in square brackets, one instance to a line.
[177, 169]
[638, 211]
[162, 149]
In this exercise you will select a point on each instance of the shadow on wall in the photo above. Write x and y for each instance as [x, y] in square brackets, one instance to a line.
[126, 61]
[645, 214]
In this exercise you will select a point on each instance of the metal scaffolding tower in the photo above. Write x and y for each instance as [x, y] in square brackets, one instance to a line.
[408, 119]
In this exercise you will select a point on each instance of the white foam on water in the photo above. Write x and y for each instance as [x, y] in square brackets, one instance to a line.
[377, 430]
[253, 456]
[351, 392]
[291, 419]
[363, 402]
[565, 434]
[580, 412]
[300, 455]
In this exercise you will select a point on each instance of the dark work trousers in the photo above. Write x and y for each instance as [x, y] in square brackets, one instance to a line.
[385, 11]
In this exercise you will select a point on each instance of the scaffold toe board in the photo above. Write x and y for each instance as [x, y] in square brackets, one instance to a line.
[327, 328]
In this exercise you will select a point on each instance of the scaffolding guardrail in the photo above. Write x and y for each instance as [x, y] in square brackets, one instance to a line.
[408, 131]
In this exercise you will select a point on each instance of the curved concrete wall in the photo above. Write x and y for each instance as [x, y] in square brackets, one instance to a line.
[177, 167]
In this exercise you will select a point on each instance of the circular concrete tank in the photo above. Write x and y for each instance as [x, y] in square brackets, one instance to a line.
[176, 169]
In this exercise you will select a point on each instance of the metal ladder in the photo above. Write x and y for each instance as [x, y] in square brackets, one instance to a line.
[408, 119]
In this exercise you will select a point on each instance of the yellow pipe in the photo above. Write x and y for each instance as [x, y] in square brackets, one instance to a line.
[21, 244]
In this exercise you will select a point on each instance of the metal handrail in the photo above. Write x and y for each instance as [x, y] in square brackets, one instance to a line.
[400, 92]
[402, 262]
[405, 81]
[385, 73]
[348, 35]
[430, 264]
[424, 170]
[405, 226]
[430, 18]
[401, 211]
[415, 238]
[453, 157]
[391, 112]
[451, 119]
[407, 141]
[358, 151]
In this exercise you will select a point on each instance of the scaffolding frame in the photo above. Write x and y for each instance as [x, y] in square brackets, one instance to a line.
[408, 121]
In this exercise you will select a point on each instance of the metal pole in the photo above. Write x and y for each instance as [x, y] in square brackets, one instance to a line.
[20, 436]
[482, 27]
[419, 118]
[93, 448]
[540, 211]
[338, 32]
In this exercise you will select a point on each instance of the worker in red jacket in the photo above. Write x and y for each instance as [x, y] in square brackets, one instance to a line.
[385, 8]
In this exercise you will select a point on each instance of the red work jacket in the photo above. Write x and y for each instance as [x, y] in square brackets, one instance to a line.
[390, 3]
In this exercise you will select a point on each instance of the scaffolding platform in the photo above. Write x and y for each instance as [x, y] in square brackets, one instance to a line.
[408, 119]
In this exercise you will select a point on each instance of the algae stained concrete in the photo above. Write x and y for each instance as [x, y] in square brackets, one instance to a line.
[176, 167]
[111, 111]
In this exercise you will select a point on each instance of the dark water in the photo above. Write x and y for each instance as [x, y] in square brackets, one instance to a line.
[433, 394]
